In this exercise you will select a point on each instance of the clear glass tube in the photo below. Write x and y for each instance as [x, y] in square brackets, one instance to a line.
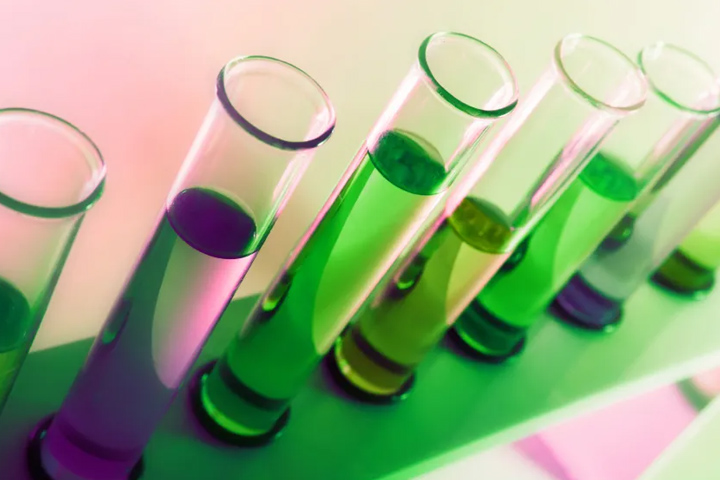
[252, 148]
[51, 174]
[690, 269]
[686, 97]
[458, 87]
[626, 164]
[540, 150]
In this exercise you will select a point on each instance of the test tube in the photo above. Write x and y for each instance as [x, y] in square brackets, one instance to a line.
[690, 269]
[626, 164]
[51, 174]
[458, 87]
[539, 151]
[686, 96]
[261, 131]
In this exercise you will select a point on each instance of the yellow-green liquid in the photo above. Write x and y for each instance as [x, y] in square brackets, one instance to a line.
[414, 310]
[691, 268]
[703, 244]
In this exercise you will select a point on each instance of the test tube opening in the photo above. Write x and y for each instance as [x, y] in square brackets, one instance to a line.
[49, 167]
[439, 57]
[600, 73]
[276, 102]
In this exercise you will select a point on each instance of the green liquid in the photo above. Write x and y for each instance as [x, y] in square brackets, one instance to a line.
[16, 321]
[395, 332]
[516, 256]
[365, 228]
[684, 275]
[562, 240]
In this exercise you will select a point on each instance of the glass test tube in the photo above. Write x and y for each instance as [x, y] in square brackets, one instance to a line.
[626, 164]
[593, 298]
[541, 148]
[254, 145]
[457, 88]
[690, 270]
[698, 80]
[51, 174]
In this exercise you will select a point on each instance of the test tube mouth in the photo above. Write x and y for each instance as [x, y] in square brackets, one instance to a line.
[48, 167]
[681, 78]
[469, 74]
[600, 74]
[276, 102]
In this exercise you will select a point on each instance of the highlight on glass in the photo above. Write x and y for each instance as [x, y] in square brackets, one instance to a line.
[531, 160]
[685, 102]
[627, 161]
[456, 89]
[51, 174]
[690, 270]
[256, 141]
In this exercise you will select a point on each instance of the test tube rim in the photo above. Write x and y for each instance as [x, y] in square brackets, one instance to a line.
[98, 173]
[453, 100]
[575, 87]
[666, 97]
[259, 133]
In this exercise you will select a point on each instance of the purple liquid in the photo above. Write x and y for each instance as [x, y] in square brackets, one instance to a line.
[188, 273]
[583, 305]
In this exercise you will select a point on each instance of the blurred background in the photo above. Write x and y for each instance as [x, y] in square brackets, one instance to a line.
[138, 76]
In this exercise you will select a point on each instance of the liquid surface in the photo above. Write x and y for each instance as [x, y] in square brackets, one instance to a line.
[410, 315]
[364, 229]
[211, 223]
[570, 231]
[198, 254]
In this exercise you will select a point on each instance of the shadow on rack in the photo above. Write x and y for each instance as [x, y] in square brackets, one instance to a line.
[43, 382]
